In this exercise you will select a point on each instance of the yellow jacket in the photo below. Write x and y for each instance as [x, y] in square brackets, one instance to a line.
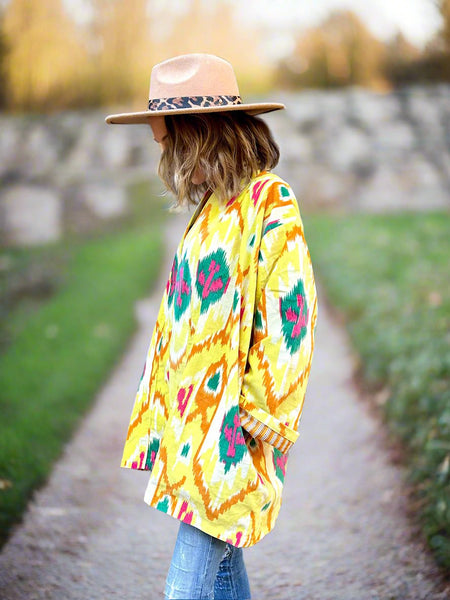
[221, 395]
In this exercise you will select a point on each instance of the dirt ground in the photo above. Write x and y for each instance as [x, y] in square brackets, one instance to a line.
[342, 534]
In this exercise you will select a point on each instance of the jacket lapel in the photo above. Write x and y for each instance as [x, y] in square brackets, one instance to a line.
[195, 214]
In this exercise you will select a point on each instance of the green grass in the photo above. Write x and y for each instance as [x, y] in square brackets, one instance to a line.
[61, 348]
[389, 276]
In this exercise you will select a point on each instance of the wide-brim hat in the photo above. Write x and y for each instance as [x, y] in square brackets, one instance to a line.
[193, 84]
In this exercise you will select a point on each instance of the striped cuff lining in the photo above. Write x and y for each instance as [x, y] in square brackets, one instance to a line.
[263, 432]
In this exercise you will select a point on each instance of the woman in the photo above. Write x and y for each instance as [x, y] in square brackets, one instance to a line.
[220, 398]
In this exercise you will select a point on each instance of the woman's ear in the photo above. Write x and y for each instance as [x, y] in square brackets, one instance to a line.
[158, 125]
[198, 177]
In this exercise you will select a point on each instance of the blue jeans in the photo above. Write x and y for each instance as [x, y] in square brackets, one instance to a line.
[205, 568]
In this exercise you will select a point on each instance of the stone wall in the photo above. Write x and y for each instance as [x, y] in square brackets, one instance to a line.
[348, 150]
[66, 173]
[358, 150]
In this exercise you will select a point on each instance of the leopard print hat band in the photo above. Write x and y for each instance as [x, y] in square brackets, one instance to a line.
[192, 102]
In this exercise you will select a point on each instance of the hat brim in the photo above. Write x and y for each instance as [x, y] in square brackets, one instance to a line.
[145, 116]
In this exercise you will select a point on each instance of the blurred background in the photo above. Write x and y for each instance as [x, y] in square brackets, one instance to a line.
[365, 143]
[67, 54]
[371, 77]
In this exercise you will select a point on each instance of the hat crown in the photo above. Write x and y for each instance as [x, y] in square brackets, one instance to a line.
[193, 84]
[193, 75]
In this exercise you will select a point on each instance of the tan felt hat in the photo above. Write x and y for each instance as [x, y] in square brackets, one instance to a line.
[189, 84]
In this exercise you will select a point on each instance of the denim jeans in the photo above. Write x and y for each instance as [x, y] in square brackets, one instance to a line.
[205, 568]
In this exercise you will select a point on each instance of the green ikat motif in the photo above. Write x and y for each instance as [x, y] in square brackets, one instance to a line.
[272, 225]
[151, 454]
[183, 289]
[213, 277]
[294, 314]
[185, 450]
[172, 280]
[279, 462]
[258, 320]
[232, 443]
[235, 300]
[214, 381]
[163, 505]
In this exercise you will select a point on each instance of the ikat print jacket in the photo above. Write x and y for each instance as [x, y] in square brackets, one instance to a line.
[220, 399]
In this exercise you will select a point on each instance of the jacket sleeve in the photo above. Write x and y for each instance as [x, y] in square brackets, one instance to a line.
[282, 341]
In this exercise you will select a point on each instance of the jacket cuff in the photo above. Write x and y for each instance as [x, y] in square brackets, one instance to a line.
[264, 426]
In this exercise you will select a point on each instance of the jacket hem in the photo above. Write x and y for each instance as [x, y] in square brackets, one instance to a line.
[180, 508]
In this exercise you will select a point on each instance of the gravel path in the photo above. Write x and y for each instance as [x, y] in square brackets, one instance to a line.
[342, 533]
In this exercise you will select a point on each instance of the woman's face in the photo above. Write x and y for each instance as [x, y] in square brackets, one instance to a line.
[158, 125]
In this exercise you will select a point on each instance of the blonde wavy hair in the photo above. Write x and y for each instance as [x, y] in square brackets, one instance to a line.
[230, 148]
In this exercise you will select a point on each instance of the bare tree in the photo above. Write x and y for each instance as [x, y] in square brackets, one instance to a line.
[340, 51]
[44, 54]
[214, 27]
[123, 49]
[444, 8]
[3, 54]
